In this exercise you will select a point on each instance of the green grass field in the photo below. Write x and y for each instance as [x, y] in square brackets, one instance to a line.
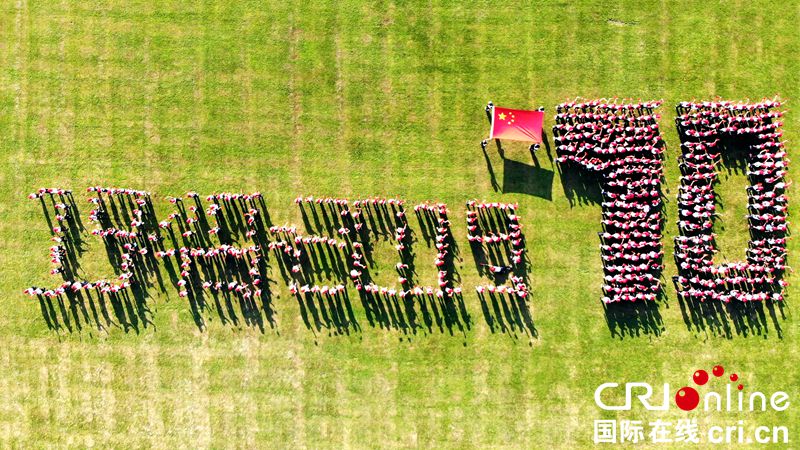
[358, 99]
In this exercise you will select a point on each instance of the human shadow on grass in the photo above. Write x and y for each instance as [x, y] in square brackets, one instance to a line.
[508, 314]
[75, 311]
[580, 187]
[490, 169]
[729, 320]
[331, 312]
[633, 319]
[412, 314]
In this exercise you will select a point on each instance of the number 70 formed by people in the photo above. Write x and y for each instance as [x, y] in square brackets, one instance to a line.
[620, 144]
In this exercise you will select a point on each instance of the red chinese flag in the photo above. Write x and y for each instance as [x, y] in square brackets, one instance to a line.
[516, 124]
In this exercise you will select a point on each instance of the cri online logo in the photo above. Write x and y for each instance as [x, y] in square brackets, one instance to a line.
[687, 398]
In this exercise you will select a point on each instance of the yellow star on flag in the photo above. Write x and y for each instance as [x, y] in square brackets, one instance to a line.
[502, 116]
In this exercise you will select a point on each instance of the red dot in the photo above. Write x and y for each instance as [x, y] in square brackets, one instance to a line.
[740, 387]
[700, 377]
[734, 377]
[718, 371]
[687, 398]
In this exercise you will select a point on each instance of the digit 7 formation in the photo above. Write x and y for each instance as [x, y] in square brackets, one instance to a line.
[621, 145]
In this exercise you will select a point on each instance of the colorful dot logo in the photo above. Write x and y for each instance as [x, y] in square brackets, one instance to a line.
[687, 398]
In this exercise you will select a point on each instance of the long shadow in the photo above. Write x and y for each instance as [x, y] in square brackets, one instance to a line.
[522, 178]
[490, 169]
[331, 312]
[633, 319]
[579, 187]
[508, 314]
[717, 319]
[69, 312]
